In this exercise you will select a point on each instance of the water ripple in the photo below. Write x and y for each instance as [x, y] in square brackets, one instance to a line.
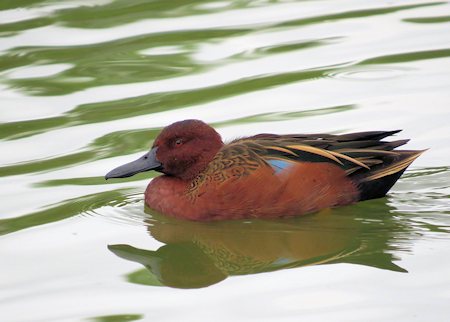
[86, 85]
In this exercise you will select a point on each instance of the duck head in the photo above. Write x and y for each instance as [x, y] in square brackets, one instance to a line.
[182, 149]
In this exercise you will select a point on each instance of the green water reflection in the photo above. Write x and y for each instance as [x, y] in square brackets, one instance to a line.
[63, 210]
[201, 254]
[117, 318]
[152, 103]
[80, 79]
[131, 141]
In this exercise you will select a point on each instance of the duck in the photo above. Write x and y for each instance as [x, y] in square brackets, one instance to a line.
[266, 175]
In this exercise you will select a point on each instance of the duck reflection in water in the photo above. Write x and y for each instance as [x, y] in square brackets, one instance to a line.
[199, 254]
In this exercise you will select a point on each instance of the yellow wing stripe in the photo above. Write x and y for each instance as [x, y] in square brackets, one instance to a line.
[278, 148]
[346, 157]
[350, 171]
[317, 151]
[393, 168]
[373, 151]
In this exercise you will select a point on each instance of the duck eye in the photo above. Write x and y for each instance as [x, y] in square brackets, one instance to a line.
[178, 141]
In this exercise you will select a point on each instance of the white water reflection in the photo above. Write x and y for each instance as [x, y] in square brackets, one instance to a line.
[284, 69]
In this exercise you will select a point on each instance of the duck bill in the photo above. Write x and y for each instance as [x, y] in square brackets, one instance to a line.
[146, 162]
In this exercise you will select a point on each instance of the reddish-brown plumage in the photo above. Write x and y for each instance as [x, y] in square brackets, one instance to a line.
[305, 188]
[186, 163]
[267, 175]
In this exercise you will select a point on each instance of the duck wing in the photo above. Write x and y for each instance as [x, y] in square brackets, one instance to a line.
[372, 163]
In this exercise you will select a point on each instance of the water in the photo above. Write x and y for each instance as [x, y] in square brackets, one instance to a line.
[87, 85]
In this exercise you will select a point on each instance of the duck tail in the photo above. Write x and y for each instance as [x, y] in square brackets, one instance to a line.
[377, 181]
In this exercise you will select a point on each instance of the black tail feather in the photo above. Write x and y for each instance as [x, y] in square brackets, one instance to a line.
[377, 181]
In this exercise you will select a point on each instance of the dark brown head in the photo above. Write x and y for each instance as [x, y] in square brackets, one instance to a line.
[182, 149]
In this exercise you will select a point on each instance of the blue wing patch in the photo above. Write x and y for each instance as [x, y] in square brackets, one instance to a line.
[279, 165]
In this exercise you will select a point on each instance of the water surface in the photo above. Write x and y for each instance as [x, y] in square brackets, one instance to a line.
[87, 85]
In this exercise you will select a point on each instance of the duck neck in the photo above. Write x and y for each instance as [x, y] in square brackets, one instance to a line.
[199, 164]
